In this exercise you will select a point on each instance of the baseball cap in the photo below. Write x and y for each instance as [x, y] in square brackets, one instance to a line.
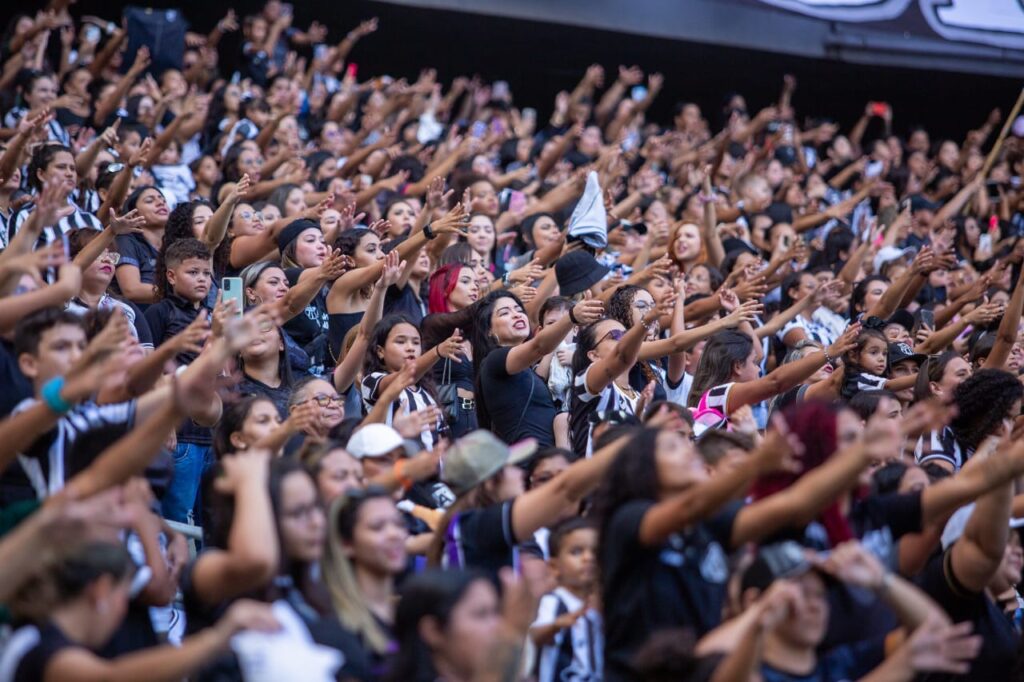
[787, 559]
[888, 254]
[374, 440]
[477, 456]
[900, 351]
[958, 522]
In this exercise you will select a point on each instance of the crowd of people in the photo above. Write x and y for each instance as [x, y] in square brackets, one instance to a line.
[309, 372]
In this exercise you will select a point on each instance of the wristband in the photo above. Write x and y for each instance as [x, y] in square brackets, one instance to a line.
[428, 233]
[51, 396]
[572, 318]
[399, 471]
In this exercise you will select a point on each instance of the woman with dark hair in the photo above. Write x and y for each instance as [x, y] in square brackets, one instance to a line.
[727, 376]
[511, 400]
[53, 164]
[96, 279]
[940, 375]
[605, 353]
[986, 402]
[350, 294]
[446, 626]
[265, 539]
[136, 272]
[265, 368]
[666, 527]
[245, 423]
[91, 588]
[394, 343]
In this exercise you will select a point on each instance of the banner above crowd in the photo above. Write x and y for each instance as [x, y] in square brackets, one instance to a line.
[972, 36]
[999, 23]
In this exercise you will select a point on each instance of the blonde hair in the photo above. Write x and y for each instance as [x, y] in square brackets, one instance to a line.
[340, 577]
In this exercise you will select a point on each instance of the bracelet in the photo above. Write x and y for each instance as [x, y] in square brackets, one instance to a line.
[427, 232]
[51, 396]
[829, 360]
[438, 349]
[399, 471]
[572, 318]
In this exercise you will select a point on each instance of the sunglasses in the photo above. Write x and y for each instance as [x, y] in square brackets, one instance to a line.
[115, 167]
[614, 335]
[112, 257]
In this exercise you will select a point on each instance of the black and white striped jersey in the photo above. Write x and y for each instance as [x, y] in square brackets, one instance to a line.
[75, 220]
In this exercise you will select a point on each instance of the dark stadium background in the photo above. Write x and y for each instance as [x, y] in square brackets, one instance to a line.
[539, 59]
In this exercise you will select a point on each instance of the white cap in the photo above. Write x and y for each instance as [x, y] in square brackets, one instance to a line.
[890, 253]
[374, 440]
[958, 522]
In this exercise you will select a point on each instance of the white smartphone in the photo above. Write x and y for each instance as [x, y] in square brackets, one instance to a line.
[233, 291]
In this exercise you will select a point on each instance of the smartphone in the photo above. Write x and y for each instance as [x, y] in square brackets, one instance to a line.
[352, 70]
[874, 169]
[479, 129]
[785, 242]
[993, 224]
[287, 8]
[499, 90]
[529, 114]
[927, 318]
[320, 52]
[638, 93]
[92, 34]
[516, 201]
[985, 242]
[232, 291]
[880, 108]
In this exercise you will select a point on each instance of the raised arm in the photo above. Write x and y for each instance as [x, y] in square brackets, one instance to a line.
[702, 500]
[605, 370]
[790, 374]
[1006, 335]
[529, 353]
[547, 504]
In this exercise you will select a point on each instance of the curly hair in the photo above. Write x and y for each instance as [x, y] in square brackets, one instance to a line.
[983, 401]
[178, 227]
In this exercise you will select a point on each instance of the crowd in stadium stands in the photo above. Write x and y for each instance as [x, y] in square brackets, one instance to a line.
[308, 372]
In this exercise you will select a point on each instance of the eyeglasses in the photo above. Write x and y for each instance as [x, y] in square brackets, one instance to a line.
[323, 400]
[614, 335]
[112, 257]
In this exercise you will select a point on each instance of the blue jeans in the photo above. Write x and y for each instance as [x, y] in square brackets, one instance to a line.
[190, 461]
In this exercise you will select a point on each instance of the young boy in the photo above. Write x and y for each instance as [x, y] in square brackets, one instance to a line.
[189, 278]
[568, 630]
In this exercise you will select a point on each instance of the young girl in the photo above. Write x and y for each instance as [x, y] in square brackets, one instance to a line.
[481, 239]
[866, 366]
[395, 342]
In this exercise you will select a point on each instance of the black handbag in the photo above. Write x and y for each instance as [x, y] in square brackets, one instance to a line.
[460, 413]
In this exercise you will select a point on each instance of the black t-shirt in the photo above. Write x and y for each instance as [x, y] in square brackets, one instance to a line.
[16, 386]
[30, 649]
[1000, 642]
[168, 317]
[848, 662]
[519, 405]
[481, 539]
[309, 328]
[279, 395]
[681, 584]
[405, 302]
[135, 250]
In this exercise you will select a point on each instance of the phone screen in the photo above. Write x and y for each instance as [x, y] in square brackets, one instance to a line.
[927, 318]
[232, 288]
